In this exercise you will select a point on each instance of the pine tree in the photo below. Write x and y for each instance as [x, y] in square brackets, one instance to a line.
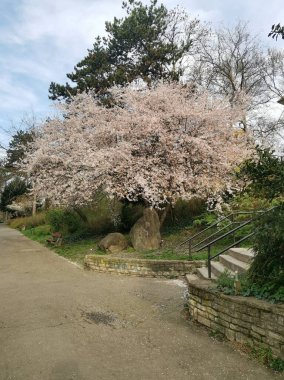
[148, 43]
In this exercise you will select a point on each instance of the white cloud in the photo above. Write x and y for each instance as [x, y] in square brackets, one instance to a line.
[259, 13]
[43, 40]
[15, 96]
[40, 42]
[68, 24]
[38, 69]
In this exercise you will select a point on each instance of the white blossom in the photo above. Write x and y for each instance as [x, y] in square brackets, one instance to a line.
[155, 145]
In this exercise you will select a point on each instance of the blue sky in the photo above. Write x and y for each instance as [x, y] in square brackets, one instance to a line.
[42, 40]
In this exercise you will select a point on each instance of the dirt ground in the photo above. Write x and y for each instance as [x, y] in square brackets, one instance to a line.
[59, 322]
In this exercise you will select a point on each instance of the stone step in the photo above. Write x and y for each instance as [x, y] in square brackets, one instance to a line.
[218, 268]
[191, 278]
[194, 279]
[243, 254]
[203, 273]
[233, 264]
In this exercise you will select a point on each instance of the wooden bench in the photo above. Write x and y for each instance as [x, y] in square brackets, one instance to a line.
[55, 239]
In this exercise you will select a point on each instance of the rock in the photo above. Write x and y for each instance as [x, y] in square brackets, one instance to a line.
[145, 234]
[113, 243]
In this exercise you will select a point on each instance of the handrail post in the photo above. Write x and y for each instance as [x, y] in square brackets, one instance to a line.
[189, 250]
[233, 220]
[209, 261]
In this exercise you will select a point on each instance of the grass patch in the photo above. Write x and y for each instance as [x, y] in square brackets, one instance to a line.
[75, 247]
[80, 243]
[39, 233]
[264, 356]
[76, 251]
[168, 254]
[71, 250]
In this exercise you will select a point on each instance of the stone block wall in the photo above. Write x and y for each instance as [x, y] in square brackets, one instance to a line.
[240, 319]
[141, 267]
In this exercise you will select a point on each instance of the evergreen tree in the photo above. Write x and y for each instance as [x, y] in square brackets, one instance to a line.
[264, 174]
[11, 191]
[148, 43]
[17, 147]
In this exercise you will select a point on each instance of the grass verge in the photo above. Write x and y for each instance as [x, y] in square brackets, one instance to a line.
[75, 247]
[78, 244]
[71, 250]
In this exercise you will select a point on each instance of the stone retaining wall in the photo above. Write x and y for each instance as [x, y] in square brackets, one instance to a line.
[241, 319]
[141, 267]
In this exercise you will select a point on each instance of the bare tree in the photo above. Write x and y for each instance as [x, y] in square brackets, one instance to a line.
[268, 130]
[183, 35]
[274, 72]
[232, 61]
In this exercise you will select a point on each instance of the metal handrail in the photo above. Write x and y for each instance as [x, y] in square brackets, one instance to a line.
[211, 236]
[225, 235]
[233, 245]
[228, 233]
[211, 243]
[206, 229]
[208, 246]
[210, 258]
[231, 215]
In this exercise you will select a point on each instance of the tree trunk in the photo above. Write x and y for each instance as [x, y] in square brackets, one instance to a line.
[81, 214]
[164, 214]
[34, 205]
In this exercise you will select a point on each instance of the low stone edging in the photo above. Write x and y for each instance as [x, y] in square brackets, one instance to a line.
[141, 267]
[240, 319]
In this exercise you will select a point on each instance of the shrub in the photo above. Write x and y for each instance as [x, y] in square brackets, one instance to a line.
[264, 174]
[265, 291]
[265, 278]
[103, 215]
[183, 212]
[205, 219]
[249, 202]
[267, 269]
[226, 284]
[64, 220]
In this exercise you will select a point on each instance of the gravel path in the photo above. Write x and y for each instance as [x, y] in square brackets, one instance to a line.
[59, 322]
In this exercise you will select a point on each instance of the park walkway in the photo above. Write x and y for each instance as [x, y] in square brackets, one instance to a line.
[59, 322]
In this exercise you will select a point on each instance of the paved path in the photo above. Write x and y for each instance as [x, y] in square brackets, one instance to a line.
[59, 322]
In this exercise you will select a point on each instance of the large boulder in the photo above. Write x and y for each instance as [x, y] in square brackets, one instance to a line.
[145, 234]
[113, 243]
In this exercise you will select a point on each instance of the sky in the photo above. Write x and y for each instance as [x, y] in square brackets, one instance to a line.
[42, 40]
